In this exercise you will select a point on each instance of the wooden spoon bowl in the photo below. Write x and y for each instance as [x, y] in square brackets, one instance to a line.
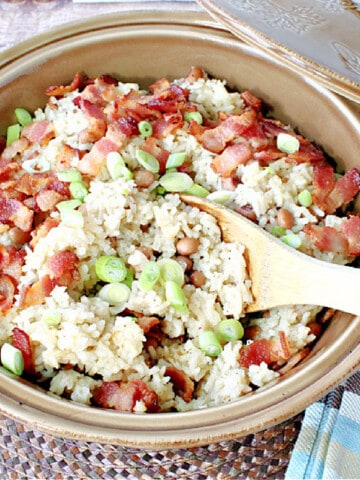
[281, 275]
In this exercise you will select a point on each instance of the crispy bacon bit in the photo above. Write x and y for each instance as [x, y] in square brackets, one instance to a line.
[215, 139]
[167, 124]
[63, 267]
[345, 189]
[147, 323]
[267, 155]
[11, 262]
[18, 146]
[126, 125]
[183, 385]
[36, 293]
[13, 212]
[265, 351]
[247, 211]
[294, 360]
[351, 230]
[39, 132]
[42, 230]
[123, 396]
[307, 153]
[65, 157]
[21, 341]
[161, 85]
[47, 199]
[60, 90]
[251, 101]
[324, 182]
[327, 239]
[7, 291]
[92, 161]
[231, 158]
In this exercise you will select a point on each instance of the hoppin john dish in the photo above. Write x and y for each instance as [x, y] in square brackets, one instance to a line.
[116, 294]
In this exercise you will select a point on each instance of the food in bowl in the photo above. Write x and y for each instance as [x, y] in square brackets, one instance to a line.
[118, 295]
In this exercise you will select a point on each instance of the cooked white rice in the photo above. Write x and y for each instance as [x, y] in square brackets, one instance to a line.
[101, 344]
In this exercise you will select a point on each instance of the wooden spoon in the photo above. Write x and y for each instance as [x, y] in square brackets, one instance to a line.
[281, 275]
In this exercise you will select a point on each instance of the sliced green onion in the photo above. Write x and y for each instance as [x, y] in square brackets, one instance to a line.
[270, 170]
[128, 280]
[148, 161]
[209, 343]
[52, 318]
[305, 198]
[176, 181]
[78, 190]
[175, 160]
[230, 330]
[220, 196]
[149, 276]
[175, 295]
[110, 269]
[13, 133]
[117, 167]
[114, 293]
[337, 175]
[160, 190]
[7, 372]
[72, 218]
[36, 165]
[12, 359]
[197, 190]
[292, 240]
[287, 143]
[23, 116]
[68, 204]
[69, 175]
[171, 270]
[145, 128]
[196, 116]
[278, 231]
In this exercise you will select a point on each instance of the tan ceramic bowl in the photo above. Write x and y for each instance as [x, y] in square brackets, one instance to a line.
[143, 47]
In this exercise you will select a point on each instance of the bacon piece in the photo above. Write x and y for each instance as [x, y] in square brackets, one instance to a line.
[231, 158]
[247, 211]
[250, 100]
[42, 230]
[36, 293]
[125, 126]
[161, 85]
[307, 153]
[65, 157]
[294, 360]
[12, 261]
[39, 132]
[230, 183]
[215, 139]
[273, 127]
[147, 323]
[129, 106]
[324, 182]
[167, 124]
[183, 385]
[327, 239]
[351, 230]
[97, 120]
[101, 91]
[7, 291]
[267, 155]
[14, 212]
[18, 146]
[60, 90]
[151, 146]
[21, 341]
[123, 396]
[92, 161]
[47, 199]
[63, 267]
[265, 351]
[171, 100]
[194, 74]
[345, 189]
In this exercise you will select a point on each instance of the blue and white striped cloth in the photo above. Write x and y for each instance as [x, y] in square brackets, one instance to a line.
[328, 446]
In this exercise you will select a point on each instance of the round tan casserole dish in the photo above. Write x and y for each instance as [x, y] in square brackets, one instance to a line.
[142, 47]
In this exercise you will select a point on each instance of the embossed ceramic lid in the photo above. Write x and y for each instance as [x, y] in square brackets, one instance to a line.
[318, 37]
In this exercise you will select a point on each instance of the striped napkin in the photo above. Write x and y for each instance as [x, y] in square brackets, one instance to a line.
[328, 446]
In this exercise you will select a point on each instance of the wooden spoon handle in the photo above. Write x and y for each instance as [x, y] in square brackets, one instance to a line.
[299, 279]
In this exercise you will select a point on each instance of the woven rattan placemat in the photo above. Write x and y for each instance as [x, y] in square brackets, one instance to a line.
[28, 454]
